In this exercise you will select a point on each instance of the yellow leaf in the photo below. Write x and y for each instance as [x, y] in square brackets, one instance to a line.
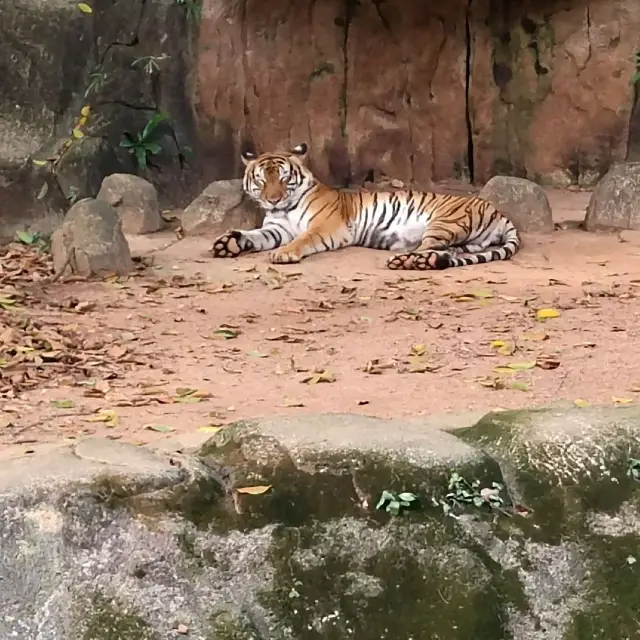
[85, 111]
[503, 370]
[81, 121]
[617, 400]
[520, 386]
[482, 294]
[108, 416]
[39, 163]
[546, 314]
[85, 8]
[521, 366]
[254, 491]
[77, 133]
[581, 403]
[496, 344]
[534, 337]
[418, 349]
[209, 429]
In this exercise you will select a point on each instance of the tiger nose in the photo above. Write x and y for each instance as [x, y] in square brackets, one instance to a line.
[273, 200]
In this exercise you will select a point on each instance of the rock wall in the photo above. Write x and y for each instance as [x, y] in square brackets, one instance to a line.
[55, 60]
[422, 91]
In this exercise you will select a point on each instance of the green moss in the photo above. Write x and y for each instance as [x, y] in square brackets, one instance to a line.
[102, 620]
[615, 613]
[416, 581]
[561, 493]
[228, 626]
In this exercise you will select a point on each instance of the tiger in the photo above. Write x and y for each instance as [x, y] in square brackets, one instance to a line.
[303, 217]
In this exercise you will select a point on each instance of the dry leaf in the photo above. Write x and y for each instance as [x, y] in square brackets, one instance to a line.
[319, 376]
[108, 416]
[226, 332]
[547, 362]
[160, 428]
[617, 400]
[377, 366]
[292, 403]
[581, 403]
[491, 383]
[62, 404]
[254, 491]
[546, 314]
[520, 386]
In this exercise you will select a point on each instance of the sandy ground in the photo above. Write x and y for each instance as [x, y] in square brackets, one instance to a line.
[145, 357]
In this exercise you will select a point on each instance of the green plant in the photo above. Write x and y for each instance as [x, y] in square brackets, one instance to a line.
[150, 63]
[394, 503]
[635, 78]
[144, 143]
[193, 7]
[35, 239]
[97, 81]
[461, 492]
[633, 468]
[73, 195]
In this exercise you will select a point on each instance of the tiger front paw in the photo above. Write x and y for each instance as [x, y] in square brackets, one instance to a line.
[284, 257]
[229, 245]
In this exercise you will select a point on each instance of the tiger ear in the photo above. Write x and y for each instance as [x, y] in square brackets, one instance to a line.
[300, 151]
[247, 156]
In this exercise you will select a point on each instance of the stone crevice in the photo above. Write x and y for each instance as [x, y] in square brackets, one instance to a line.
[468, 79]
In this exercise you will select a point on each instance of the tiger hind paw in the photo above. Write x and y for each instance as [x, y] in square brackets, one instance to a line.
[420, 261]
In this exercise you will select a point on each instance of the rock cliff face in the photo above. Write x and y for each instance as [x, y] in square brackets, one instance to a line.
[423, 91]
[72, 84]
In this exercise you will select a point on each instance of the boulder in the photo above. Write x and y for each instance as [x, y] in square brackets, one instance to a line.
[90, 241]
[135, 200]
[615, 202]
[221, 206]
[525, 203]
[271, 529]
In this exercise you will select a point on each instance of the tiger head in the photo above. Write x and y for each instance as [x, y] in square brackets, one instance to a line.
[276, 181]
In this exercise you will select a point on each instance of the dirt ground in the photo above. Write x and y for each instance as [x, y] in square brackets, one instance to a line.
[191, 343]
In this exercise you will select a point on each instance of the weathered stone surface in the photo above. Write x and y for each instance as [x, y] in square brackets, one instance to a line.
[615, 202]
[525, 203]
[220, 207]
[95, 535]
[422, 91]
[135, 200]
[91, 241]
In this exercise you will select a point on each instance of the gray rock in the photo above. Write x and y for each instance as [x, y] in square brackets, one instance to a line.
[81, 169]
[524, 202]
[135, 200]
[106, 540]
[614, 202]
[220, 207]
[90, 241]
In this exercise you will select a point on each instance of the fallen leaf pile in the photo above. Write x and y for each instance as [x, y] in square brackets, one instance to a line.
[33, 352]
[23, 265]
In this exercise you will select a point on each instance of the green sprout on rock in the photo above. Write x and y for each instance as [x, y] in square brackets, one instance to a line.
[394, 503]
